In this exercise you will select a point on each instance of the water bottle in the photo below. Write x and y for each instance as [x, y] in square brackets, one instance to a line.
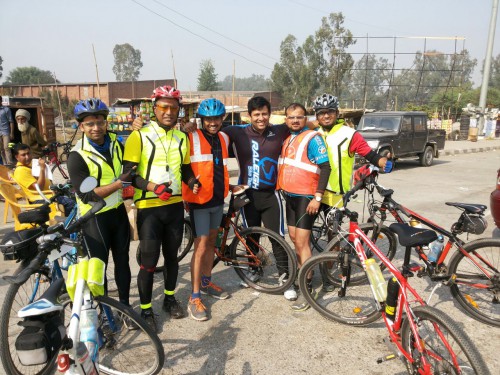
[83, 358]
[88, 332]
[377, 280]
[392, 298]
[436, 249]
[218, 240]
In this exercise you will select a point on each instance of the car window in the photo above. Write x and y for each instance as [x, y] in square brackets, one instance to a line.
[406, 124]
[419, 124]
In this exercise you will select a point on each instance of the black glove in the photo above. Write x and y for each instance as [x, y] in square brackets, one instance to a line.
[163, 191]
[126, 178]
[193, 181]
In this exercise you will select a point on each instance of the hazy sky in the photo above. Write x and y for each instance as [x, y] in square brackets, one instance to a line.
[58, 35]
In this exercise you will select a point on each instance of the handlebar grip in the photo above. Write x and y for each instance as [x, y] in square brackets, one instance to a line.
[25, 274]
[56, 228]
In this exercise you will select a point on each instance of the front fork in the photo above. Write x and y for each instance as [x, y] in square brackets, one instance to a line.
[345, 277]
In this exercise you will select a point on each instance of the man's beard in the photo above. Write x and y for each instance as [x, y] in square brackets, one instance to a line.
[23, 127]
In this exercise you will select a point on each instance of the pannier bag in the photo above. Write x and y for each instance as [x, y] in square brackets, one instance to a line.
[21, 252]
[40, 339]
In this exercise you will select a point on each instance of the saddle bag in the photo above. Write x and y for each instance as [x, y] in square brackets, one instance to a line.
[40, 340]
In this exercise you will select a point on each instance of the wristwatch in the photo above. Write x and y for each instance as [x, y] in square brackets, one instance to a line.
[318, 199]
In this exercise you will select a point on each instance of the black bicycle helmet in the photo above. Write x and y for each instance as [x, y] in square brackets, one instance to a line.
[89, 107]
[325, 101]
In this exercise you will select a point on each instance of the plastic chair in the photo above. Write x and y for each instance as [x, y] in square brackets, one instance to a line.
[8, 192]
[6, 177]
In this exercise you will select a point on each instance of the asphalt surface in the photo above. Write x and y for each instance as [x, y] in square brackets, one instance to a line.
[256, 333]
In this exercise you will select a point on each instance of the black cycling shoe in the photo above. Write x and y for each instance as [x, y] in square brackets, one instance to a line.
[129, 323]
[171, 306]
[150, 318]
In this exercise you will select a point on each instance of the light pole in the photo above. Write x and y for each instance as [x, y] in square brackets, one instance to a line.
[487, 65]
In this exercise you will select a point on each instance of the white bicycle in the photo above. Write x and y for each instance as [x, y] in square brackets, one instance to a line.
[113, 339]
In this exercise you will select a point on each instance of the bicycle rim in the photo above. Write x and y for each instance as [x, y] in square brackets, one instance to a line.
[278, 267]
[187, 241]
[446, 347]
[17, 297]
[357, 307]
[124, 351]
[478, 295]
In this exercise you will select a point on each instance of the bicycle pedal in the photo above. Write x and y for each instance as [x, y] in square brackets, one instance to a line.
[388, 357]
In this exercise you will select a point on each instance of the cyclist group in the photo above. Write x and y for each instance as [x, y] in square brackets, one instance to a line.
[167, 166]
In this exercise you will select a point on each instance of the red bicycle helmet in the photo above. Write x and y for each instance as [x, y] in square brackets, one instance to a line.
[168, 92]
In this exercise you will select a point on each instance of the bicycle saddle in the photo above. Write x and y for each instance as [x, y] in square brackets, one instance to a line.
[239, 189]
[409, 236]
[46, 303]
[469, 207]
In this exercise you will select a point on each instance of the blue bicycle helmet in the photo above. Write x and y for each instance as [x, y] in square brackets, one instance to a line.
[211, 108]
[89, 107]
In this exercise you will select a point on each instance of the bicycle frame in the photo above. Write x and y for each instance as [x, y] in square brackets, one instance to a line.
[357, 237]
[397, 211]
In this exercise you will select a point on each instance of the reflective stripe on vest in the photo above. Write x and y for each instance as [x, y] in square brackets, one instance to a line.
[296, 173]
[158, 148]
[101, 170]
[203, 166]
[338, 141]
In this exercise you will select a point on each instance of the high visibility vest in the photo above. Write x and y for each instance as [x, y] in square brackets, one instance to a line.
[202, 163]
[296, 173]
[338, 141]
[159, 149]
[101, 170]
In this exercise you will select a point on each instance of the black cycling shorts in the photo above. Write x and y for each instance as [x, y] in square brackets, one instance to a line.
[296, 215]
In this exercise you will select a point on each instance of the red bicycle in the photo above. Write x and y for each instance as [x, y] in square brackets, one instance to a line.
[57, 161]
[426, 339]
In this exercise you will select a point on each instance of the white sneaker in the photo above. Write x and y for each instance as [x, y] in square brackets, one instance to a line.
[290, 294]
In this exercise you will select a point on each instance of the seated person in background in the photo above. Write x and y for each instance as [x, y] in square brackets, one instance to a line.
[24, 177]
[29, 134]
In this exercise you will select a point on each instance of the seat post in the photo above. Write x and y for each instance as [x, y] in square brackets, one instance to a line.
[406, 262]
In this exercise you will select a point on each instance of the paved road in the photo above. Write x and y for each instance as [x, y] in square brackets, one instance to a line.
[255, 333]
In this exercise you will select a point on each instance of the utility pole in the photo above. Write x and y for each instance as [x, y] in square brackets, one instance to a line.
[487, 66]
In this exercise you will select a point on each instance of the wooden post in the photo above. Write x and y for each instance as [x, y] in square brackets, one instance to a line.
[97, 75]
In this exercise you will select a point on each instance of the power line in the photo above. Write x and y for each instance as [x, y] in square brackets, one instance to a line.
[215, 32]
[201, 37]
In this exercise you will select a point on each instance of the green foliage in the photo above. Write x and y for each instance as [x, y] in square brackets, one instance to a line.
[29, 75]
[319, 64]
[67, 106]
[495, 73]
[254, 83]
[127, 62]
[1, 67]
[368, 85]
[207, 79]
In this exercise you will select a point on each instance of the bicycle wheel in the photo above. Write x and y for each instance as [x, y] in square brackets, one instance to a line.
[357, 307]
[60, 172]
[319, 233]
[385, 240]
[446, 347]
[477, 294]
[17, 297]
[125, 351]
[279, 263]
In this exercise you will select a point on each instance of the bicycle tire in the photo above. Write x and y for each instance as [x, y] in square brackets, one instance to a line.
[60, 172]
[386, 241]
[17, 297]
[480, 303]
[186, 245]
[274, 276]
[457, 344]
[319, 234]
[356, 308]
[125, 351]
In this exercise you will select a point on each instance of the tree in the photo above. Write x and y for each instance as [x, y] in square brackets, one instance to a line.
[1, 67]
[207, 79]
[127, 62]
[29, 75]
[321, 63]
[495, 73]
[254, 83]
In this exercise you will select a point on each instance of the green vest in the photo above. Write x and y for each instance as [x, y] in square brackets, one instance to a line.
[338, 140]
[162, 154]
[101, 170]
